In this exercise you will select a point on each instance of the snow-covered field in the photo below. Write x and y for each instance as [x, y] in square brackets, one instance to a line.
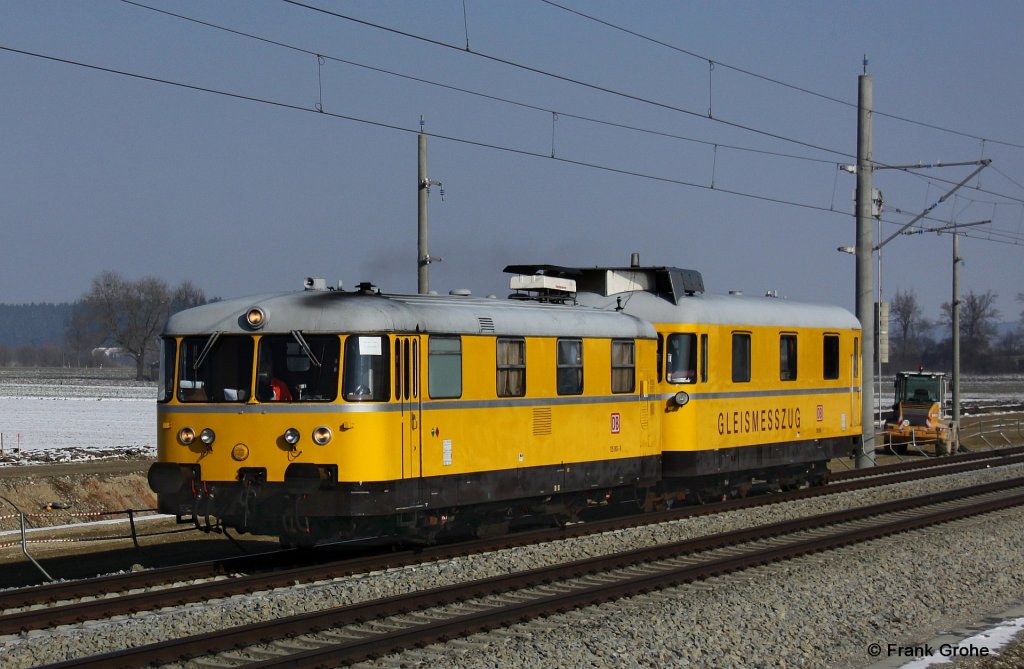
[74, 415]
[68, 415]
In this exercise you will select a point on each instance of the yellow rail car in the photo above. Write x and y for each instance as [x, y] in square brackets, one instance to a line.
[755, 391]
[328, 414]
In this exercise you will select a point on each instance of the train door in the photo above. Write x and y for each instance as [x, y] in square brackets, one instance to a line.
[407, 393]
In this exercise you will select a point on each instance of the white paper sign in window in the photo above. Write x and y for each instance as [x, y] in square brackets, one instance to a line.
[369, 346]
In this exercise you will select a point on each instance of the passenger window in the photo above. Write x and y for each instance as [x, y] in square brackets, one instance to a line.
[787, 357]
[444, 367]
[366, 369]
[623, 366]
[569, 365]
[740, 357]
[511, 364]
[681, 359]
[830, 364]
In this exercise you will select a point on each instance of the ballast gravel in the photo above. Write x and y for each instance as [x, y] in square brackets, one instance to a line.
[826, 610]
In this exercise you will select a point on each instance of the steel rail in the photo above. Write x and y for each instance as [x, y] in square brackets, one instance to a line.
[94, 609]
[219, 641]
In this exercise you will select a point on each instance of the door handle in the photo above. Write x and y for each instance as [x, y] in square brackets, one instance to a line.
[414, 421]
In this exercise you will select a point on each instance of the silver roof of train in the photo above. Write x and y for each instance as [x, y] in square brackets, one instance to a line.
[725, 310]
[674, 295]
[339, 311]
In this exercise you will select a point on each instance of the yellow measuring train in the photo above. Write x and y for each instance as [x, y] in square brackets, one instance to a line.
[335, 415]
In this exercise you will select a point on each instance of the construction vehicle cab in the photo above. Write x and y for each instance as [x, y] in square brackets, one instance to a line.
[918, 419]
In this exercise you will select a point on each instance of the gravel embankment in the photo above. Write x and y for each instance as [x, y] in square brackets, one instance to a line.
[820, 611]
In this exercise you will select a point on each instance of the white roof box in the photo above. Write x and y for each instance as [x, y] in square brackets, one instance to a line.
[541, 282]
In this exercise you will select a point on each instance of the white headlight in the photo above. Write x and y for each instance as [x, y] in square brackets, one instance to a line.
[291, 435]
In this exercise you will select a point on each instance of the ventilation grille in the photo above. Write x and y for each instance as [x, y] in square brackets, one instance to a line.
[486, 324]
[541, 421]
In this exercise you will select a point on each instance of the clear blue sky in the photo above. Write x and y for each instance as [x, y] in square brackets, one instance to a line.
[102, 171]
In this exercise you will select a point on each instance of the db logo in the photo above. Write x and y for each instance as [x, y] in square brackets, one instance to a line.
[616, 423]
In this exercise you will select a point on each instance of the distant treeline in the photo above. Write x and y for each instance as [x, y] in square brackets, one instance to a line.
[34, 324]
[117, 320]
[102, 329]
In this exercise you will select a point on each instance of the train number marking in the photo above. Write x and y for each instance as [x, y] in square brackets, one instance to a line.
[616, 423]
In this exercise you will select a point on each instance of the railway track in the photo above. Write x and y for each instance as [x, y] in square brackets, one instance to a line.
[46, 606]
[374, 628]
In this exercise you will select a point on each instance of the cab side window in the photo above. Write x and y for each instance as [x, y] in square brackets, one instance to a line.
[366, 369]
[681, 358]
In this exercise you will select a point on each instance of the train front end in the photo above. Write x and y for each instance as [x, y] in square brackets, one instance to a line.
[255, 422]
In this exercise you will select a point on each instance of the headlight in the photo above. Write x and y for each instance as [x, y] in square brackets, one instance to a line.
[255, 318]
[291, 435]
[240, 452]
[321, 435]
[681, 398]
[207, 436]
[186, 436]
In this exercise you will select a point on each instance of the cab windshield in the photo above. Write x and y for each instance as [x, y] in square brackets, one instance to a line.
[290, 368]
[212, 368]
[297, 368]
[921, 389]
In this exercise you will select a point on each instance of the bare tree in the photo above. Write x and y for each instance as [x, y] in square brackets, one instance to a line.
[131, 313]
[906, 313]
[978, 314]
[910, 327]
[81, 334]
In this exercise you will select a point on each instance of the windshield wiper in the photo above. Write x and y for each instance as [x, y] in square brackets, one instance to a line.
[206, 350]
[305, 347]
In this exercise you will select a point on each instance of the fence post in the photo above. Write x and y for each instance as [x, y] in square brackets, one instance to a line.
[24, 548]
[131, 521]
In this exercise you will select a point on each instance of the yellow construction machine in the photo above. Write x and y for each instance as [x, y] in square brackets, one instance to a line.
[918, 420]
